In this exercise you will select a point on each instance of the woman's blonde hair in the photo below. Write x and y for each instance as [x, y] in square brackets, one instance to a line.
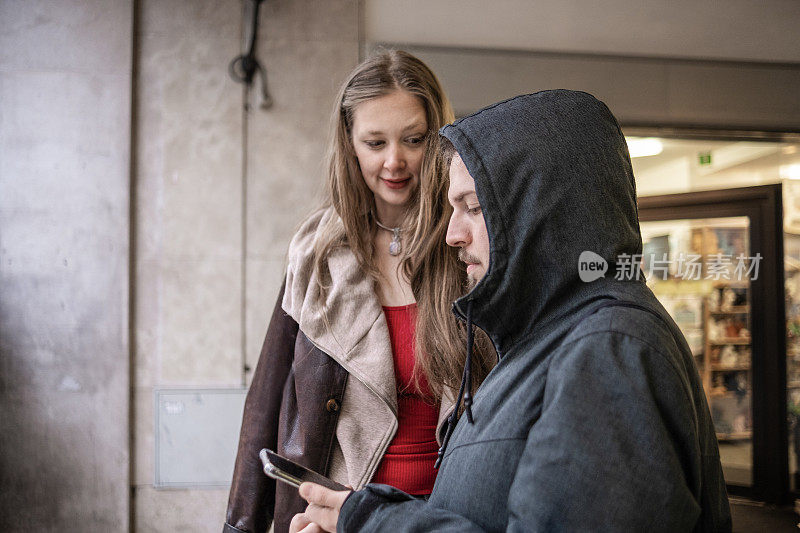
[432, 267]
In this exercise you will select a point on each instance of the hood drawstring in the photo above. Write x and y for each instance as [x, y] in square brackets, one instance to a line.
[467, 378]
[465, 391]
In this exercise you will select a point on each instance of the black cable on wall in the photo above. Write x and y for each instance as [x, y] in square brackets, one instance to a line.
[243, 69]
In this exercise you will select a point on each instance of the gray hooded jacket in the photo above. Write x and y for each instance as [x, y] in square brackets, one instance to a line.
[594, 419]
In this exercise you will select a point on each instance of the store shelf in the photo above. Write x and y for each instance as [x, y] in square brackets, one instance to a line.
[721, 380]
[740, 435]
[736, 310]
[731, 368]
[726, 394]
[719, 284]
[715, 316]
[739, 341]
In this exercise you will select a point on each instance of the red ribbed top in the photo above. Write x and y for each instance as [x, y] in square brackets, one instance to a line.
[408, 463]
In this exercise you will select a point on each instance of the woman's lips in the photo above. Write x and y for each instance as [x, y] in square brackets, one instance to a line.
[396, 184]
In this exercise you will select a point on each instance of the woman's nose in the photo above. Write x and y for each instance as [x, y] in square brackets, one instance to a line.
[395, 158]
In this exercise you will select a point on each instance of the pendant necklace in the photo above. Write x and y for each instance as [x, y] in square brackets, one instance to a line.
[394, 246]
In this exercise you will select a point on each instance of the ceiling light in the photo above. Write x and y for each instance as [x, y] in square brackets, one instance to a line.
[644, 146]
[790, 172]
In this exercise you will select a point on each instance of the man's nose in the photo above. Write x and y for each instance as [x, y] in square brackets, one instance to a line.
[395, 158]
[457, 234]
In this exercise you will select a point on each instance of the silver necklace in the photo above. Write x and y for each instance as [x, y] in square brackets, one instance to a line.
[395, 246]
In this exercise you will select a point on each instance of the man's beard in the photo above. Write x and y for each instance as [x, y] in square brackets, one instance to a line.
[465, 257]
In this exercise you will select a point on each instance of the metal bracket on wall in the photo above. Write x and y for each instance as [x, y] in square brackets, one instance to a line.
[244, 67]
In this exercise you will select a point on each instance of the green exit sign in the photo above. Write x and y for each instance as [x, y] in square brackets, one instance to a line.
[704, 158]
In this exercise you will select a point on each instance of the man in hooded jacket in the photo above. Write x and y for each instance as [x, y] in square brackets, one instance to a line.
[594, 418]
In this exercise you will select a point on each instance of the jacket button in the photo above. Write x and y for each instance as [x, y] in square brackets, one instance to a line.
[332, 406]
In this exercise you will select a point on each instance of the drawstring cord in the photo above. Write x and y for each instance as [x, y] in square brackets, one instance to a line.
[465, 392]
[468, 366]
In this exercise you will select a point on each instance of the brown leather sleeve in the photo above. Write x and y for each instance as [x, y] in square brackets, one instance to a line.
[252, 497]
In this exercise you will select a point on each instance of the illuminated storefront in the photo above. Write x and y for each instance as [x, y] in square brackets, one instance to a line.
[720, 226]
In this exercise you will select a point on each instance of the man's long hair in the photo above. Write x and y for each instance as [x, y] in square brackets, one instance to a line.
[438, 278]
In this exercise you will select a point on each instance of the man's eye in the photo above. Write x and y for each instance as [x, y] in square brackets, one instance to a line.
[474, 210]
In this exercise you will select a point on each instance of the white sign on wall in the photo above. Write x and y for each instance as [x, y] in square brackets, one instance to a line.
[196, 436]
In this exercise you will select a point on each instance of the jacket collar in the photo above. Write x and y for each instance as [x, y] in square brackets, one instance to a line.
[352, 330]
[348, 323]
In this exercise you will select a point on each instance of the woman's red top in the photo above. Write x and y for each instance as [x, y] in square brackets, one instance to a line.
[408, 463]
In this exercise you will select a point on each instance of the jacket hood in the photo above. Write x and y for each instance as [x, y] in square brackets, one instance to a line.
[554, 179]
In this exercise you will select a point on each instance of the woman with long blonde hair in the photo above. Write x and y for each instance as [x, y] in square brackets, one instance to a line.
[360, 364]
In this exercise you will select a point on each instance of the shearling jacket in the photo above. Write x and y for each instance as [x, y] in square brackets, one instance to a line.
[324, 391]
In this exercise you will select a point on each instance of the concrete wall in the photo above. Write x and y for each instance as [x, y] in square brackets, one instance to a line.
[188, 191]
[216, 195]
[678, 64]
[65, 122]
[204, 228]
[734, 30]
[651, 92]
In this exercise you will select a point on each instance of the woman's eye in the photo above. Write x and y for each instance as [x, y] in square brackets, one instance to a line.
[416, 140]
[374, 144]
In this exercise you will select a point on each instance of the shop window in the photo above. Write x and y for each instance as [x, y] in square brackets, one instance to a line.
[717, 315]
[700, 270]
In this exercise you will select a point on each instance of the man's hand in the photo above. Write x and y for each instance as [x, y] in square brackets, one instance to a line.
[302, 524]
[322, 512]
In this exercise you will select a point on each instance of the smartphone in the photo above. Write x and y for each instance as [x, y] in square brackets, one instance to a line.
[283, 469]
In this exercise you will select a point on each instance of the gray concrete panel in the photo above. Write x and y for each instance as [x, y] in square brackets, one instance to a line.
[739, 95]
[195, 511]
[735, 30]
[65, 96]
[190, 308]
[189, 190]
[66, 35]
[653, 92]
[200, 322]
[263, 282]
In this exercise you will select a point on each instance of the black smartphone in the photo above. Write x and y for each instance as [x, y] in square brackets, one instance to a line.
[283, 469]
